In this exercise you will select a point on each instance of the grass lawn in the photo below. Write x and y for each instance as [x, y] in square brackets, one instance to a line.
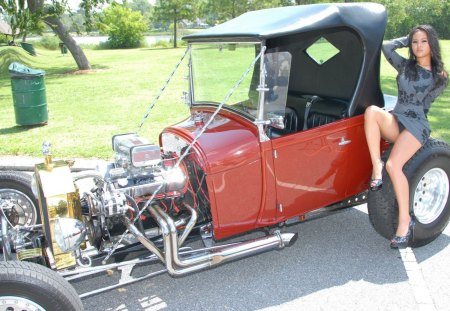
[85, 110]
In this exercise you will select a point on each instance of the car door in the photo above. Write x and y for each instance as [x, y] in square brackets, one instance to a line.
[313, 168]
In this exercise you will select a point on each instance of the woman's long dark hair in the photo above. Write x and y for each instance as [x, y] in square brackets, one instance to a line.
[437, 66]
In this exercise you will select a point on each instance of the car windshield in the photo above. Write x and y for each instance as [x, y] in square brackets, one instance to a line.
[216, 67]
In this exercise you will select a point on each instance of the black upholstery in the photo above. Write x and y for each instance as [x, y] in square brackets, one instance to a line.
[290, 121]
[324, 111]
[317, 119]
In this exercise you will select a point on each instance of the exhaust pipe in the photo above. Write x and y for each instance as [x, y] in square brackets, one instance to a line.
[143, 239]
[209, 257]
[177, 265]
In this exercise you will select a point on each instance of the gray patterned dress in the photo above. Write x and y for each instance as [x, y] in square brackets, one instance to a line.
[414, 96]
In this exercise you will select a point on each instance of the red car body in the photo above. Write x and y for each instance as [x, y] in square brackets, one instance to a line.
[255, 184]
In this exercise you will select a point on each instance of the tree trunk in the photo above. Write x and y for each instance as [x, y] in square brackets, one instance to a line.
[58, 28]
[78, 55]
[174, 28]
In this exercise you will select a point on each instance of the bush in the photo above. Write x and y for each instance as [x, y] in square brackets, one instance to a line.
[124, 27]
[162, 44]
[107, 45]
[48, 42]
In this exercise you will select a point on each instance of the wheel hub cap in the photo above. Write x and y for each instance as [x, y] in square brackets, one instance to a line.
[23, 212]
[12, 303]
[431, 195]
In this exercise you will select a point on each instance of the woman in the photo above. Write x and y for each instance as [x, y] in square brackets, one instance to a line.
[421, 79]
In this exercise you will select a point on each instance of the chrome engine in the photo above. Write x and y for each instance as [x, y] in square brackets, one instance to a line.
[140, 174]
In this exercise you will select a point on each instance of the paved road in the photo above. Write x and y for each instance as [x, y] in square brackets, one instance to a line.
[338, 263]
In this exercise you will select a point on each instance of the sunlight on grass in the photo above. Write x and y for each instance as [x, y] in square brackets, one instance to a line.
[85, 110]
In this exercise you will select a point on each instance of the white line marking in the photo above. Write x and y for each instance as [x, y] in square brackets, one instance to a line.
[416, 281]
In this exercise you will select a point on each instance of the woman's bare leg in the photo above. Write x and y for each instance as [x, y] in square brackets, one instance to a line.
[406, 145]
[378, 123]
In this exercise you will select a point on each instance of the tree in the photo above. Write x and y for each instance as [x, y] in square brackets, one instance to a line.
[21, 20]
[227, 9]
[142, 6]
[174, 11]
[405, 14]
[75, 21]
[50, 11]
[402, 14]
[51, 14]
[124, 27]
[219, 11]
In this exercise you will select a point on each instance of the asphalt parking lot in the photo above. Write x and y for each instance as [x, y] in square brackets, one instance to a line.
[338, 263]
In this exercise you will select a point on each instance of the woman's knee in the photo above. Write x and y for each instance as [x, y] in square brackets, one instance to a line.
[392, 167]
[371, 112]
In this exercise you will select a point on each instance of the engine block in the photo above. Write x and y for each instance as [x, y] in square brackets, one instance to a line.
[134, 156]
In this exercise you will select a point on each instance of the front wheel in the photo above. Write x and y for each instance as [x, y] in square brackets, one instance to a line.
[428, 173]
[15, 191]
[29, 286]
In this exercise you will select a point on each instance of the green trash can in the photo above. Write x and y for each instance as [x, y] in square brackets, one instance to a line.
[28, 90]
[63, 48]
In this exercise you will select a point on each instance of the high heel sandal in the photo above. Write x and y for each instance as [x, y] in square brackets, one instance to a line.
[402, 241]
[376, 183]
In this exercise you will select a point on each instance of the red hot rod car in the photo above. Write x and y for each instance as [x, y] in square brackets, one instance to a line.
[275, 136]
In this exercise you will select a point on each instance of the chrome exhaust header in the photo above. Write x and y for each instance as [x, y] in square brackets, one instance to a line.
[205, 258]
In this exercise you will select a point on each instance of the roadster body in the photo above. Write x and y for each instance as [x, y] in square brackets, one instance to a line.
[275, 136]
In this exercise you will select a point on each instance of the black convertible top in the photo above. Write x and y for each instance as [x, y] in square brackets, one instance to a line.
[368, 19]
[356, 29]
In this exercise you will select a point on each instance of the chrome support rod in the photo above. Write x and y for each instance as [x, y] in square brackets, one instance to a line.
[71, 275]
[129, 280]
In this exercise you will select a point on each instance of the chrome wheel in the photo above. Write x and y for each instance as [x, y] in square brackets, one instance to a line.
[12, 303]
[431, 195]
[21, 211]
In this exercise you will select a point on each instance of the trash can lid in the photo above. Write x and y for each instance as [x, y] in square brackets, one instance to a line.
[18, 70]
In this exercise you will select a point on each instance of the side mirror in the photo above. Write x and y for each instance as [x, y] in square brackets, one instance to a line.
[276, 120]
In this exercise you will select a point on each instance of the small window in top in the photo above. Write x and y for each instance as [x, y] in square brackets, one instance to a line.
[322, 51]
